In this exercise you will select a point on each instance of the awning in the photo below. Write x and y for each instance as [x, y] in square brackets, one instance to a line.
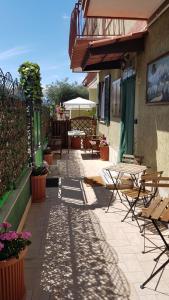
[126, 9]
[107, 53]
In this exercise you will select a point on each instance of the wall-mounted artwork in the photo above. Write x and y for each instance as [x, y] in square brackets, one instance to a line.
[158, 81]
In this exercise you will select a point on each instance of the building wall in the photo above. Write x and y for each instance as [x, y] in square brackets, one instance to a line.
[152, 132]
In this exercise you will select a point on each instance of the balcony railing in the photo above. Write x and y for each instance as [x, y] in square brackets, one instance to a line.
[81, 27]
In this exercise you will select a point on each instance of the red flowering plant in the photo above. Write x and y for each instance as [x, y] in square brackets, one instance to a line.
[12, 242]
[60, 109]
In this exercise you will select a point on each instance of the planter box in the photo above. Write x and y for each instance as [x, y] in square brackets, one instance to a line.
[12, 286]
[104, 152]
[38, 184]
[76, 142]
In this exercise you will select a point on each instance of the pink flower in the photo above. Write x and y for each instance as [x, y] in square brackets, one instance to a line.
[5, 225]
[8, 236]
[26, 235]
[1, 246]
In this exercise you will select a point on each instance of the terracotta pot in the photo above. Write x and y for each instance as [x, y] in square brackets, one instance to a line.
[104, 152]
[76, 142]
[48, 158]
[12, 286]
[38, 185]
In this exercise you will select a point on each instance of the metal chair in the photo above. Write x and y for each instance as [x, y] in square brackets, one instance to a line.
[137, 194]
[56, 144]
[132, 159]
[158, 213]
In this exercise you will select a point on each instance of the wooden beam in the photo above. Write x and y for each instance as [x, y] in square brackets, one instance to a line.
[134, 45]
[106, 65]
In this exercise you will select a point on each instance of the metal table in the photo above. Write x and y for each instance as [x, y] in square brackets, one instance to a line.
[74, 133]
[122, 169]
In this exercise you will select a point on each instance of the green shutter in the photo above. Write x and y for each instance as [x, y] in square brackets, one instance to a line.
[107, 99]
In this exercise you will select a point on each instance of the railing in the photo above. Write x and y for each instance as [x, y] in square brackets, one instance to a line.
[92, 27]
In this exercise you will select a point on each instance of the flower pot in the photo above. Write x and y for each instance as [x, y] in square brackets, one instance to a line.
[12, 286]
[104, 152]
[38, 185]
[48, 158]
[76, 142]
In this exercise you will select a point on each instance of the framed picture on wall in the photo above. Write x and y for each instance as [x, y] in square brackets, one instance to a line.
[157, 91]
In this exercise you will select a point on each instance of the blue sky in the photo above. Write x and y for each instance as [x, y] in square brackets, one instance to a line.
[37, 31]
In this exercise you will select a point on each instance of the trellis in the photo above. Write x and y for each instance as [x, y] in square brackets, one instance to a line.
[86, 124]
[13, 133]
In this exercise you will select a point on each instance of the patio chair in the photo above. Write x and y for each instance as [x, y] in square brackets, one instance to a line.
[163, 182]
[95, 145]
[115, 184]
[158, 213]
[56, 144]
[141, 194]
[132, 159]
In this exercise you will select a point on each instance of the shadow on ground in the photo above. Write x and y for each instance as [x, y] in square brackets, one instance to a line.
[69, 257]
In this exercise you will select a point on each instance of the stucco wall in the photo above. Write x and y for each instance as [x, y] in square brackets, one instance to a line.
[152, 133]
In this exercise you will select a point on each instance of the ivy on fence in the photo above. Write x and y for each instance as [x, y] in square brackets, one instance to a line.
[13, 132]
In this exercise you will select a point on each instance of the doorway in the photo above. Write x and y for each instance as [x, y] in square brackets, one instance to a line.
[127, 115]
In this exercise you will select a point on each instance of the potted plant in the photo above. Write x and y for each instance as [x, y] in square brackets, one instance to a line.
[38, 183]
[104, 149]
[48, 156]
[13, 248]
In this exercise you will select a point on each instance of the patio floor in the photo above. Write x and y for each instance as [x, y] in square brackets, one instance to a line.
[80, 252]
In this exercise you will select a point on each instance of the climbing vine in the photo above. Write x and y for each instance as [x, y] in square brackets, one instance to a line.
[30, 81]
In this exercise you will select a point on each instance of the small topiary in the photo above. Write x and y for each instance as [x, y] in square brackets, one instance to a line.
[30, 81]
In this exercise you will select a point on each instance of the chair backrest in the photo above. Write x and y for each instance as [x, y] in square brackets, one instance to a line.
[132, 159]
[151, 179]
[56, 143]
[158, 210]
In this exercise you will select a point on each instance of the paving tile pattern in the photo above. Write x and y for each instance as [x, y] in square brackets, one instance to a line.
[81, 252]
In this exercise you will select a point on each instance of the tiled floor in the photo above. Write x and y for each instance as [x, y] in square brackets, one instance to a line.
[78, 250]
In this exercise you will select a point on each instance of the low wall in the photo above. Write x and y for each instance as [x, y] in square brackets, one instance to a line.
[14, 208]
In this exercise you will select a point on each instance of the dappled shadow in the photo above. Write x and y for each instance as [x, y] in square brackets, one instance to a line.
[89, 156]
[74, 260]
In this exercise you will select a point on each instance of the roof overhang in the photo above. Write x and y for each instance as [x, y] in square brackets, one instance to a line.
[79, 50]
[107, 53]
[130, 9]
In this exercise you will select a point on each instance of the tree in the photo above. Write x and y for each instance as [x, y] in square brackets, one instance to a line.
[61, 91]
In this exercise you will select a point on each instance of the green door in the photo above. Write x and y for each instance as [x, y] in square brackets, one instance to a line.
[127, 116]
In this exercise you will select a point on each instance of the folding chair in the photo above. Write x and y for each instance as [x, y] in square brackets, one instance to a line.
[115, 183]
[132, 159]
[56, 144]
[162, 182]
[158, 212]
[137, 194]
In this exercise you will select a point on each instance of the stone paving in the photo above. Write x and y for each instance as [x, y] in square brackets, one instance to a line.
[78, 250]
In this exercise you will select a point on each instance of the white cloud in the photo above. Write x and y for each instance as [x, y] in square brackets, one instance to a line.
[16, 51]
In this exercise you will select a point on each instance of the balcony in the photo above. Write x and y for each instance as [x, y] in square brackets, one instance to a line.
[84, 30]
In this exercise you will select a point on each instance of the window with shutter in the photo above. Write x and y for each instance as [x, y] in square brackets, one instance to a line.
[107, 82]
[105, 100]
[116, 98]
